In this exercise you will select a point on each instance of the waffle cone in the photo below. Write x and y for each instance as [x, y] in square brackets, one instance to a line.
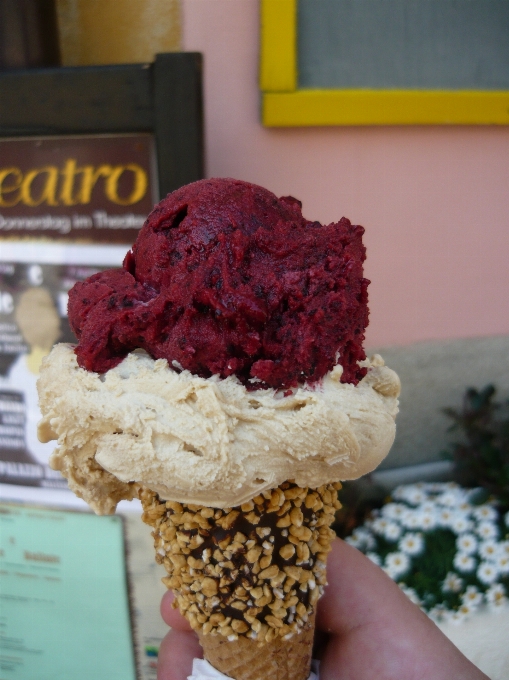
[249, 577]
[280, 659]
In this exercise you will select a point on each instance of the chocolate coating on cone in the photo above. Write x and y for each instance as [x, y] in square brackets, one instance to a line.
[256, 570]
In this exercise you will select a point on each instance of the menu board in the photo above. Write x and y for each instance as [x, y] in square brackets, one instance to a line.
[64, 606]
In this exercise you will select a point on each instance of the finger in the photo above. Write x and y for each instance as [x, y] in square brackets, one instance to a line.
[370, 621]
[358, 592]
[403, 651]
[172, 617]
[176, 654]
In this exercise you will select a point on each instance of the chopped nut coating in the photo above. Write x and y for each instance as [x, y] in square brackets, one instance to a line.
[256, 570]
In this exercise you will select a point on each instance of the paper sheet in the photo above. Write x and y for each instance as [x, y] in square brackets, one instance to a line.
[64, 609]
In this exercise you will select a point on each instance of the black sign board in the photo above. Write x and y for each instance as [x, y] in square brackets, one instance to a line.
[84, 155]
[88, 188]
[163, 98]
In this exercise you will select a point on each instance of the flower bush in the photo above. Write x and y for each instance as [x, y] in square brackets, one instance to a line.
[447, 551]
[481, 455]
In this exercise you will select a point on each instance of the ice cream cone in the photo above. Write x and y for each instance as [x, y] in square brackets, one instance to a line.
[250, 576]
[206, 371]
[280, 659]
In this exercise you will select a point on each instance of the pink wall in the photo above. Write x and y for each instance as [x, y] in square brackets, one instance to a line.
[434, 200]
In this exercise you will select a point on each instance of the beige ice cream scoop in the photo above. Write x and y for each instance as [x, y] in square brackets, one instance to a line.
[207, 441]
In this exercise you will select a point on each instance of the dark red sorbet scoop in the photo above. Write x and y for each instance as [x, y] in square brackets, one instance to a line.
[225, 278]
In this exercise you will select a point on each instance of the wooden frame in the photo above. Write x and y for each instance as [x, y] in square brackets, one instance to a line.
[164, 97]
[284, 105]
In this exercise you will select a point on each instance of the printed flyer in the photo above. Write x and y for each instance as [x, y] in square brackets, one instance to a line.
[69, 208]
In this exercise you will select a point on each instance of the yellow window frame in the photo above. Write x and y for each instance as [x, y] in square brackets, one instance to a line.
[284, 105]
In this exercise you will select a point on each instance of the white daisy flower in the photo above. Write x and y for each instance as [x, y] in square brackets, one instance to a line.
[392, 531]
[411, 593]
[503, 548]
[394, 511]
[354, 541]
[448, 498]
[489, 550]
[361, 532]
[445, 518]
[366, 536]
[416, 497]
[466, 609]
[487, 573]
[411, 544]
[464, 563]
[438, 613]
[452, 583]
[463, 496]
[496, 595]
[375, 558]
[487, 530]
[472, 596]
[361, 538]
[410, 493]
[427, 521]
[460, 615]
[428, 506]
[460, 524]
[396, 564]
[411, 520]
[485, 512]
[398, 493]
[370, 542]
[379, 525]
[467, 543]
[358, 533]
[502, 564]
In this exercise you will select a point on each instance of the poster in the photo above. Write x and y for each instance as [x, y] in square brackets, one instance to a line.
[69, 208]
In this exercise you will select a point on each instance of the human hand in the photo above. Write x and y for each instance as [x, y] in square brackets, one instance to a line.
[367, 628]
